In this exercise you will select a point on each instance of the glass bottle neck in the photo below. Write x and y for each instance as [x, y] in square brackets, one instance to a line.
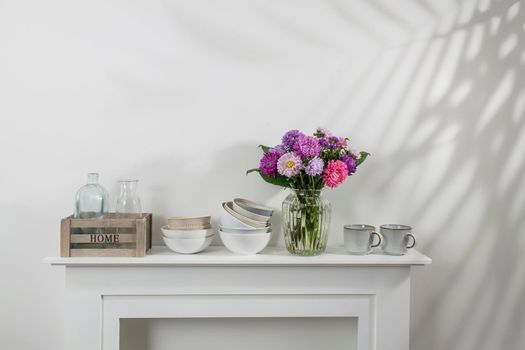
[92, 178]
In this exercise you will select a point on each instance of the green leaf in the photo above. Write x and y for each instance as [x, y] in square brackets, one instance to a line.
[264, 148]
[362, 158]
[279, 180]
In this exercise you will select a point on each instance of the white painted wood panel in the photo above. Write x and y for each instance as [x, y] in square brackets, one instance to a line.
[217, 285]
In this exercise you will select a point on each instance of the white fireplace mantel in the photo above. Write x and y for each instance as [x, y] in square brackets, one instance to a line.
[375, 289]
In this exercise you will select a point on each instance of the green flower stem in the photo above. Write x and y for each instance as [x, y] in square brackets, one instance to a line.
[306, 221]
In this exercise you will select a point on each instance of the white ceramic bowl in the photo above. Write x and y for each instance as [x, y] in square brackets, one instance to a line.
[171, 233]
[253, 207]
[188, 245]
[228, 220]
[246, 222]
[245, 230]
[248, 214]
[189, 227]
[244, 244]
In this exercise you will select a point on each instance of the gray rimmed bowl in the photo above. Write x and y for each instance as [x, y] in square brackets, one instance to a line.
[253, 207]
[230, 218]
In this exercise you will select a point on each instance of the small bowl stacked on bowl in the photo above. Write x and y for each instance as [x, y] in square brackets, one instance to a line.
[245, 226]
[188, 235]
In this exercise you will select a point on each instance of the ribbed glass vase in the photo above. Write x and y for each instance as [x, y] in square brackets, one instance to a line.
[306, 221]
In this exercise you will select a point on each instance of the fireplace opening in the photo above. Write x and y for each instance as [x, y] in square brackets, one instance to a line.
[276, 333]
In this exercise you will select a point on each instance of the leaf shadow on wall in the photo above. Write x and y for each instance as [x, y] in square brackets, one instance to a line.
[472, 296]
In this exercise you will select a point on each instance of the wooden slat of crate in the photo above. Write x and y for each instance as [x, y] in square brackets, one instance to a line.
[103, 252]
[122, 238]
[149, 235]
[65, 231]
[141, 239]
[106, 223]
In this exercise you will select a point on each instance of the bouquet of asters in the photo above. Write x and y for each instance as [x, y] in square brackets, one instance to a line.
[307, 164]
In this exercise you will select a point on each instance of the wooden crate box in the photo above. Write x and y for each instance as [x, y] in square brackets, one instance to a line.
[127, 235]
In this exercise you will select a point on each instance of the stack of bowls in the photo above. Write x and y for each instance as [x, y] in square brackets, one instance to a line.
[245, 226]
[188, 235]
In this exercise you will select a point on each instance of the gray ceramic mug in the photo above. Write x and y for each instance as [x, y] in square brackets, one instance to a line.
[396, 239]
[359, 239]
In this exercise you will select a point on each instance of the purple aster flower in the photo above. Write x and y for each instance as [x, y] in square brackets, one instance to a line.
[322, 132]
[289, 164]
[281, 149]
[329, 142]
[268, 163]
[354, 151]
[314, 167]
[307, 146]
[291, 137]
[350, 162]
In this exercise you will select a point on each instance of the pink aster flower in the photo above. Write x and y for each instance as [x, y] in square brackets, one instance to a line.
[342, 142]
[289, 164]
[335, 173]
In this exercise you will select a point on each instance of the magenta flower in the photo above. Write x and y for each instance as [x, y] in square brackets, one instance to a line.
[289, 164]
[335, 173]
[315, 167]
[268, 163]
[307, 146]
[350, 163]
[290, 138]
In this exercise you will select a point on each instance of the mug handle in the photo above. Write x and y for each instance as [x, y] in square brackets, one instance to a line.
[379, 242]
[410, 235]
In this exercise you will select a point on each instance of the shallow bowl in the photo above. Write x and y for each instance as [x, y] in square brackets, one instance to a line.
[171, 233]
[228, 220]
[248, 214]
[245, 230]
[188, 245]
[189, 227]
[253, 207]
[189, 220]
[228, 213]
[244, 244]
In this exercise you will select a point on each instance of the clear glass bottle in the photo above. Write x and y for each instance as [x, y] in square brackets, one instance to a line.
[91, 202]
[128, 202]
[306, 221]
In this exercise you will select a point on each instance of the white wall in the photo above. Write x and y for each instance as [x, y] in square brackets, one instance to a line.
[180, 93]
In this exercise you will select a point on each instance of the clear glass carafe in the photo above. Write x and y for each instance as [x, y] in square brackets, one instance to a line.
[128, 201]
[91, 202]
[306, 221]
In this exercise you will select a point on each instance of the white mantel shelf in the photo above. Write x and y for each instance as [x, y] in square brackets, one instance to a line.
[219, 256]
